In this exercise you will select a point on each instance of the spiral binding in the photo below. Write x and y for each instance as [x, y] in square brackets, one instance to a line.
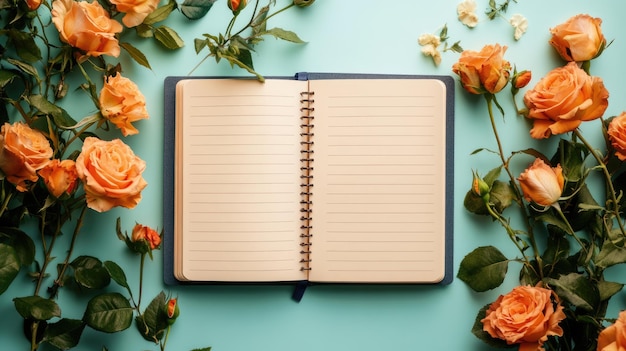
[306, 169]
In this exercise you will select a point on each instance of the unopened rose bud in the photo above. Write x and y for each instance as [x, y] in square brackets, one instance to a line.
[480, 188]
[146, 234]
[237, 5]
[303, 3]
[172, 311]
[522, 79]
[33, 4]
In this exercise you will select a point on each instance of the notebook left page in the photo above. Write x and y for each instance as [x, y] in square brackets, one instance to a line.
[237, 201]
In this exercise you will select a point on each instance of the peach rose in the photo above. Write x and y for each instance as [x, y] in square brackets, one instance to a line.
[135, 10]
[541, 183]
[111, 174]
[485, 71]
[122, 103]
[563, 99]
[142, 232]
[613, 337]
[580, 38]
[617, 135]
[525, 316]
[23, 151]
[60, 177]
[86, 26]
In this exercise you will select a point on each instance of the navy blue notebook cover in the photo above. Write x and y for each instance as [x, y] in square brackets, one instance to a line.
[307, 98]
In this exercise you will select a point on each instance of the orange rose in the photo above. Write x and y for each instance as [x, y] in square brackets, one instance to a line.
[237, 5]
[525, 316]
[86, 26]
[142, 232]
[617, 135]
[485, 71]
[613, 337]
[541, 183]
[564, 98]
[23, 151]
[111, 174]
[60, 177]
[33, 4]
[122, 103]
[522, 79]
[578, 39]
[136, 10]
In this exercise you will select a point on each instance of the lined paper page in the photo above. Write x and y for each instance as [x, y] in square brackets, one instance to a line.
[379, 181]
[238, 180]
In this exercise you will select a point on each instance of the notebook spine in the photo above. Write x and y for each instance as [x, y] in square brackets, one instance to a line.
[306, 168]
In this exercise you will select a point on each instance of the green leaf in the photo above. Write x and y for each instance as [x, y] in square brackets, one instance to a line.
[501, 195]
[109, 313]
[492, 176]
[284, 35]
[168, 37]
[21, 242]
[608, 289]
[64, 334]
[9, 266]
[24, 67]
[44, 106]
[117, 273]
[610, 255]
[136, 54]
[90, 273]
[25, 45]
[199, 44]
[6, 77]
[202, 349]
[577, 290]
[483, 269]
[153, 322]
[144, 31]
[36, 307]
[196, 9]
[160, 14]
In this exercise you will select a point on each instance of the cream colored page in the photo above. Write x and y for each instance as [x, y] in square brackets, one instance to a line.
[379, 179]
[239, 216]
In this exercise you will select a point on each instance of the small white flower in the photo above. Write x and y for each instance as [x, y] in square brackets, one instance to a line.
[426, 39]
[467, 13]
[431, 50]
[429, 43]
[520, 23]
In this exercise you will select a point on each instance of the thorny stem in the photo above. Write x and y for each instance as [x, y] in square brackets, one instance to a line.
[66, 263]
[608, 181]
[518, 195]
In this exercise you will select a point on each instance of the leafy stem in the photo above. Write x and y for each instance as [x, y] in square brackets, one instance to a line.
[608, 180]
[518, 195]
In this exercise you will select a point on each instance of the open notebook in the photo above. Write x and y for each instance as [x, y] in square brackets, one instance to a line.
[322, 178]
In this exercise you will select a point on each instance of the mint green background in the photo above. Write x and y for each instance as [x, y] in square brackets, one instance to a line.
[351, 36]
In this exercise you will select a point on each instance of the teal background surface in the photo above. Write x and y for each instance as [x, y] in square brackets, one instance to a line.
[349, 36]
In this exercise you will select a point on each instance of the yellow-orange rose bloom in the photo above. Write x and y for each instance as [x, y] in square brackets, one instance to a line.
[541, 183]
[111, 174]
[485, 71]
[122, 103]
[86, 26]
[135, 10]
[60, 177]
[580, 38]
[526, 316]
[613, 337]
[23, 151]
[617, 135]
[151, 236]
[563, 99]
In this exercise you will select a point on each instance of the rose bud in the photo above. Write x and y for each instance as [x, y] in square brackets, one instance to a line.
[33, 4]
[172, 311]
[146, 234]
[541, 183]
[237, 5]
[303, 3]
[522, 79]
[480, 188]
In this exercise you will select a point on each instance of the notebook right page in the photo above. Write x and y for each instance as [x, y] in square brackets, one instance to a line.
[379, 181]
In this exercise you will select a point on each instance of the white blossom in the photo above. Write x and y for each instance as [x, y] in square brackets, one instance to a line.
[520, 23]
[430, 43]
[467, 13]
